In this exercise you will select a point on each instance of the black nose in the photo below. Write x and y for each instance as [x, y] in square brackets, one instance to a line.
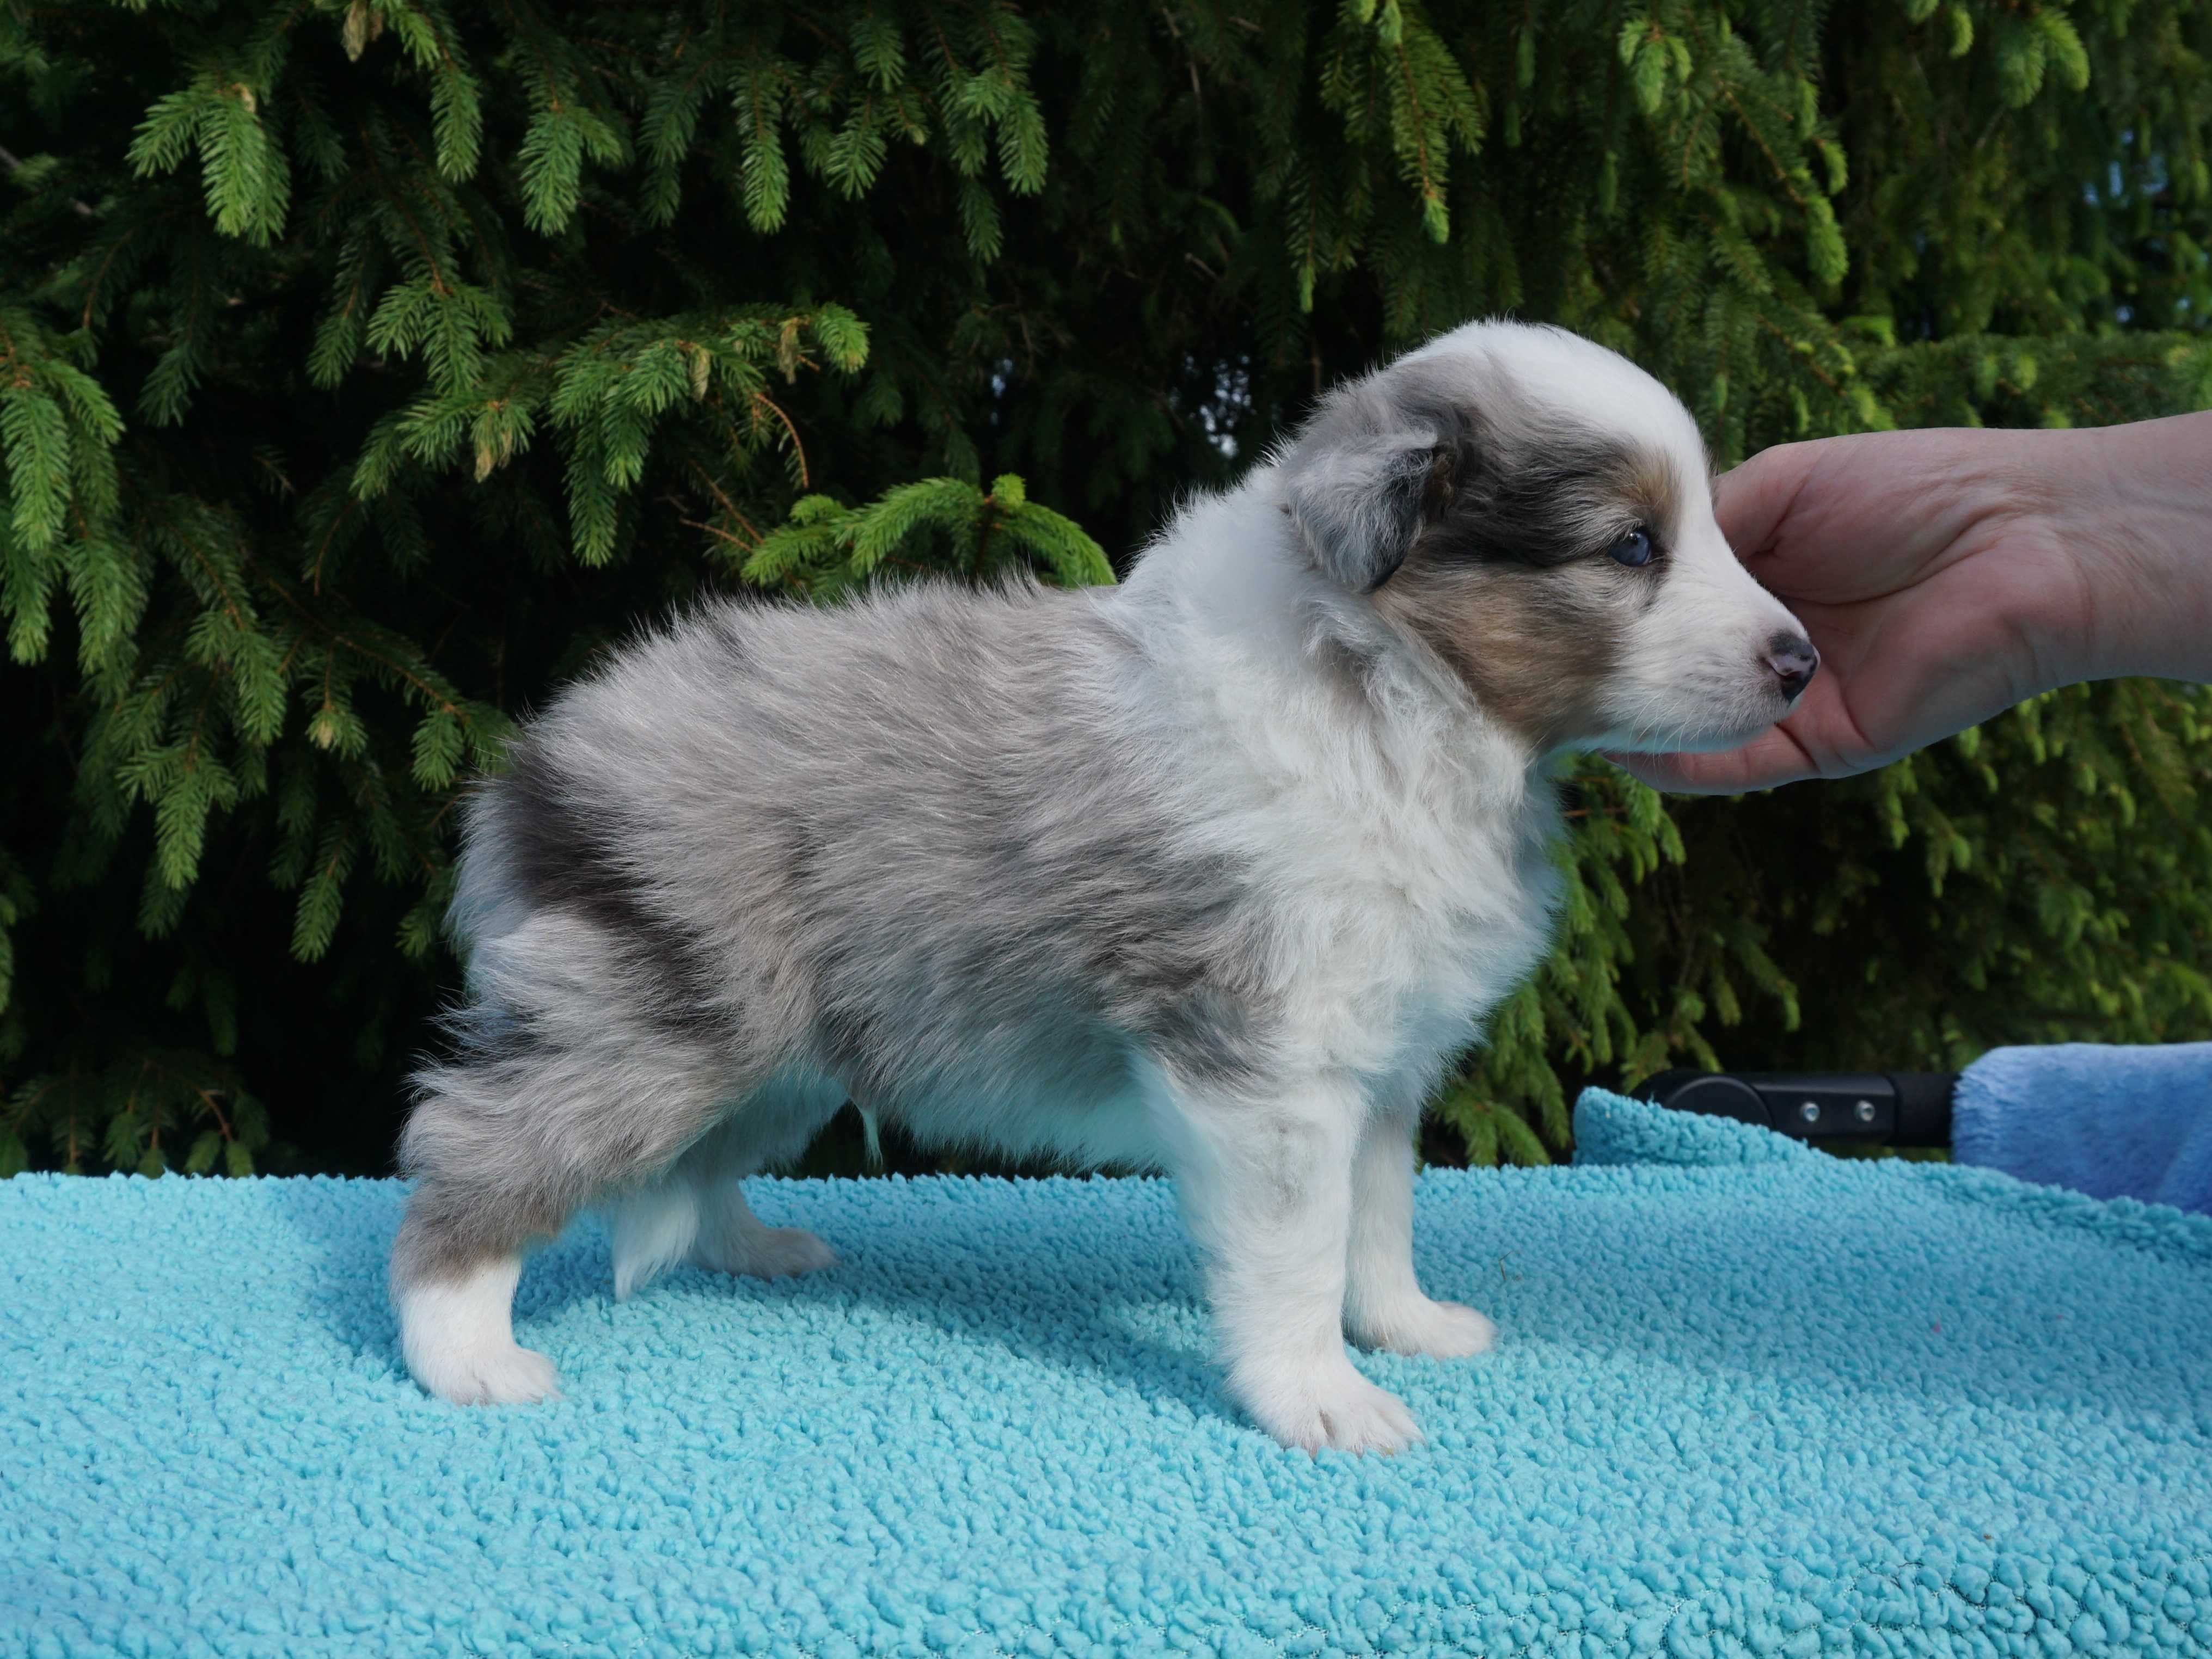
[1794, 660]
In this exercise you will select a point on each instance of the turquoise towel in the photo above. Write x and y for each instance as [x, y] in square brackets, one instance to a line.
[2110, 1121]
[1748, 1399]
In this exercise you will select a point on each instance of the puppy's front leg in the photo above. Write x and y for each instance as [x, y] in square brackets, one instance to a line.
[1384, 1306]
[1266, 1189]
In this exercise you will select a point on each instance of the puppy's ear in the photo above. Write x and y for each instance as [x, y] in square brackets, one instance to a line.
[1357, 481]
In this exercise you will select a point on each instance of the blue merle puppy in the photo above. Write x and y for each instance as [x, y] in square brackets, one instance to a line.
[1215, 871]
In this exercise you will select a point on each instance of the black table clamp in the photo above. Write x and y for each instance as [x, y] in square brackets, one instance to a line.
[1897, 1109]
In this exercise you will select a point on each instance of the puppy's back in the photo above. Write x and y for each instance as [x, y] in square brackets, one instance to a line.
[825, 828]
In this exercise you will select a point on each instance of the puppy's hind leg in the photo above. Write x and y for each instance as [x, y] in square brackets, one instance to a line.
[458, 1256]
[457, 1331]
[696, 1211]
[1264, 1182]
[506, 1145]
[1384, 1306]
[733, 1239]
[770, 1129]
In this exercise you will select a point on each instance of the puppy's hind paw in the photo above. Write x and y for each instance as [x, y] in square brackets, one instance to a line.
[518, 1376]
[1439, 1330]
[1331, 1406]
[459, 1343]
[507, 1375]
[770, 1253]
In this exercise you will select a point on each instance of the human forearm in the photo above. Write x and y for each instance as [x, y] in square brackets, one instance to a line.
[2139, 519]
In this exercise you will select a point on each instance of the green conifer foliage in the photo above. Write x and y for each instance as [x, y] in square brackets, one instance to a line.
[364, 367]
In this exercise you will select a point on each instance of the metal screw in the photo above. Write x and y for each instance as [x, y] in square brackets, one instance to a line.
[1864, 1111]
[1810, 1111]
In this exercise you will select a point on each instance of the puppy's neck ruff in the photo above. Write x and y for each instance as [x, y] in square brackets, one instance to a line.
[1232, 614]
[1408, 834]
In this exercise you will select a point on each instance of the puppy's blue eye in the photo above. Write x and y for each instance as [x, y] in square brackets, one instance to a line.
[1633, 549]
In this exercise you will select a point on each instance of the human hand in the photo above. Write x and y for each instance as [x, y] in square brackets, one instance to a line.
[1947, 576]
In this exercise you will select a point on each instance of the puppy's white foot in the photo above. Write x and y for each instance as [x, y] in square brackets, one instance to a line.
[1328, 1404]
[1416, 1325]
[459, 1340]
[769, 1253]
[508, 1375]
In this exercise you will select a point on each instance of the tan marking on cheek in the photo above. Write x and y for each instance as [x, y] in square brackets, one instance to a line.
[1534, 646]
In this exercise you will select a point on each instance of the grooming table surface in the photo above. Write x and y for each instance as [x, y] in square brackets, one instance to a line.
[1748, 1399]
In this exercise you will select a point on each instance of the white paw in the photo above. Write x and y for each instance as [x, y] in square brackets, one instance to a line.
[1328, 1404]
[459, 1340]
[1441, 1330]
[770, 1253]
[509, 1376]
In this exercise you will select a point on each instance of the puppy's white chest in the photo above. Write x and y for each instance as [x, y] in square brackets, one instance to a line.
[1396, 838]
[1422, 934]
[1468, 941]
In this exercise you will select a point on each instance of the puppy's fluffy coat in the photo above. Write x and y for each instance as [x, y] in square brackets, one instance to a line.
[1215, 871]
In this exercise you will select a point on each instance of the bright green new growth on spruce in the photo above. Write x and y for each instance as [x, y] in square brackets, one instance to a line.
[827, 550]
[364, 369]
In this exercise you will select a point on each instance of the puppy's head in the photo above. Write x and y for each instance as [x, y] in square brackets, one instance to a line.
[1539, 512]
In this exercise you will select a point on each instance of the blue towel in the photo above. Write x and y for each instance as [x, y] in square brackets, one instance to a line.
[2112, 1122]
[1748, 1399]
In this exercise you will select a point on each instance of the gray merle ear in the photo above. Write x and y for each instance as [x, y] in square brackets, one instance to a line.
[1357, 482]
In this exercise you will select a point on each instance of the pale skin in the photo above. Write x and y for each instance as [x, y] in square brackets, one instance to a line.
[1945, 576]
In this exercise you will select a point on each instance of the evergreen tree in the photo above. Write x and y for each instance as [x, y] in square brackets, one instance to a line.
[364, 367]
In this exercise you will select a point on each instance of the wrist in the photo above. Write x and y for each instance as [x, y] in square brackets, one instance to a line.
[2136, 515]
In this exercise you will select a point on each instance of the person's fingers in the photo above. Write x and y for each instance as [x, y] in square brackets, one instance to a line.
[1771, 759]
[1751, 500]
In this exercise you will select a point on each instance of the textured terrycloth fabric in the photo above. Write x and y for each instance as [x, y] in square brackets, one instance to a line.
[2104, 1120]
[1748, 1399]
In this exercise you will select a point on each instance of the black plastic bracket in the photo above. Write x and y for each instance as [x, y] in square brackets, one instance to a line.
[1897, 1109]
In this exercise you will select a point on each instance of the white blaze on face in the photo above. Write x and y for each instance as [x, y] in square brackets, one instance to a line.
[1693, 672]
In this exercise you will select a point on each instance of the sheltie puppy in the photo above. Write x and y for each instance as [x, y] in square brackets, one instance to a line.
[1215, 871]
